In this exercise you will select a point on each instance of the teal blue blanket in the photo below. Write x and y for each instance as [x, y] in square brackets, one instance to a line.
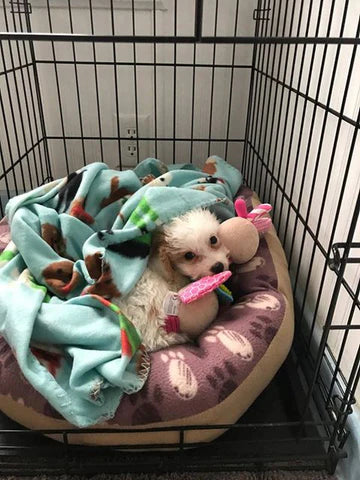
[77, 243]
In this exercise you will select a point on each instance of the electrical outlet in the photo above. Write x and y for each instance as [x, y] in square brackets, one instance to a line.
[130, 132]
[129, 145]
[131, 149]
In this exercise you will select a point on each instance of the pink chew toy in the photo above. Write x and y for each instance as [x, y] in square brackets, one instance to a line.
[203, 286]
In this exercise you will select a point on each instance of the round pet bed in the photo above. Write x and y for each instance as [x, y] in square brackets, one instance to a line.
[212, 382]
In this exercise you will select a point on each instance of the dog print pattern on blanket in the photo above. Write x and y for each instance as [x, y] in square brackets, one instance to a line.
[77, 243]
[189, 379]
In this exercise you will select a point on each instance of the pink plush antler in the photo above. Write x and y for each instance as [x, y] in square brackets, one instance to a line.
[240, 207]
[262, 225]
[256, 215]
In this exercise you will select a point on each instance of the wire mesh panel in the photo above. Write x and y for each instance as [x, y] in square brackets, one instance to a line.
[23, 152]
[269, 85]
[179, 101]
[302, 156]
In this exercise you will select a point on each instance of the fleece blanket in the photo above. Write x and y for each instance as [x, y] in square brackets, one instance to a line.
[77, 243]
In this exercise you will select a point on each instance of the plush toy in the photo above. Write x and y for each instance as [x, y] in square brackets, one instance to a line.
[198, 299]
[241, 234]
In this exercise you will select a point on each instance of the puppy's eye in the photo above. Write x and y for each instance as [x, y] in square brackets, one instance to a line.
[213, 240]
[189, 255]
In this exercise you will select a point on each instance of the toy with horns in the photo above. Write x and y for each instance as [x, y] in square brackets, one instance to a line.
[241, 234]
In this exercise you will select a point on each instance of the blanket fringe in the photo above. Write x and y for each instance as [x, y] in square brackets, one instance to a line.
[145, 366]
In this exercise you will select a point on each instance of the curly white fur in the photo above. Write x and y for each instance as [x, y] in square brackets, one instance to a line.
[192, 232]
[170, 270]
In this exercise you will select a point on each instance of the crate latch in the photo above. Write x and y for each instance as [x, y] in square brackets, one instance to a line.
[18, 6]
[261, 14]
[338, 257]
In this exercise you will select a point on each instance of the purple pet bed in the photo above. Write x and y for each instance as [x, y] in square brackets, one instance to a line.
[211, 382]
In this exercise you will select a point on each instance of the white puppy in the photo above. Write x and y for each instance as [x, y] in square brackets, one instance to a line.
[185, 249]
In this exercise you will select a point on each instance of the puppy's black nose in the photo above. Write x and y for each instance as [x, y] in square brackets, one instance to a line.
[217, 268]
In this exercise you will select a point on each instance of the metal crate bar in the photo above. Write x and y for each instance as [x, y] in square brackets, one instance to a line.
[306, 97]
[159, 139]
[8, 170]
[78, 37]
[15, 69]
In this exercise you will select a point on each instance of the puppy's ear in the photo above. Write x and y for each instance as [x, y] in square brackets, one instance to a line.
[165, 258]
[162, 252]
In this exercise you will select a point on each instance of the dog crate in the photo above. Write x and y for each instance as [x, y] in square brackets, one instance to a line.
[271, 86]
